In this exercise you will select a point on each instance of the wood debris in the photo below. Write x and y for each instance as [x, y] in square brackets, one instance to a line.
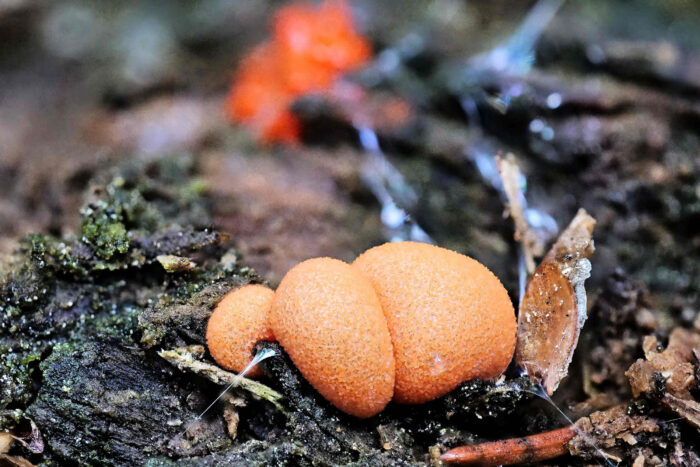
[187, 359]
[532, 243]
[232, 404]
[669, 375]
[534, 448]
[615, 434]
[173, 263]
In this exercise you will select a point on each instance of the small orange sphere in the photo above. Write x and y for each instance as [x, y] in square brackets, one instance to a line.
[327, 317]
[449, 317]
[239, 321]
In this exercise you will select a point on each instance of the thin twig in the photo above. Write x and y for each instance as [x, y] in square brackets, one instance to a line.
[185, 359]
[531, 244]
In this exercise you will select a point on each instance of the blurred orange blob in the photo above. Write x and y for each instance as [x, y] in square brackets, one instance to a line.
[310, 48]
[318, 44]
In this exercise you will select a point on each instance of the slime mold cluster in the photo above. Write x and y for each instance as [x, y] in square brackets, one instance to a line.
[405, 321]
[309, 49]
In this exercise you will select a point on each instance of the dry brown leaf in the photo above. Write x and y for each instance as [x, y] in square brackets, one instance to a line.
[553, 308]
[5, 442]
[574, 243]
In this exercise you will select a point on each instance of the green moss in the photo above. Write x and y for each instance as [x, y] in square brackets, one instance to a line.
[16, 371]
[96, 285]
[119, 323]
[102, 228]
[194, 189]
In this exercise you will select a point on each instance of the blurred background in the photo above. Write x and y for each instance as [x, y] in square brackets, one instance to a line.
[321, 129]
[599, 100]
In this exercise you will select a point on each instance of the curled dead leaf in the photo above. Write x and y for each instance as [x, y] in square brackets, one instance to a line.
[5, 442]
[553, 309]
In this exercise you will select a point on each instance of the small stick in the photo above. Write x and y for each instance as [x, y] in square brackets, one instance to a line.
[533, 448]
[185, 358]
[532, 245]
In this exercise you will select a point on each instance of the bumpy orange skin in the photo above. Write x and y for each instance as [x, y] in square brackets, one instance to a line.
[449, 317]
[239, 321]
[327, 317]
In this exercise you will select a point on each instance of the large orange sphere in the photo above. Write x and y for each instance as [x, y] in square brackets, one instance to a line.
[450, 318]
[327, 317]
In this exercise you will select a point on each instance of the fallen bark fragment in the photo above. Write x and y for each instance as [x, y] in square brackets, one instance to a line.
[185, 359]
[619, 436]
[670, 375]
[107, 390]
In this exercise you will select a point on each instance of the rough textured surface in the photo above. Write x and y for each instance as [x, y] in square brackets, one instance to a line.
[328, 318]
[450, 318]
[73, 312]
[103, 390]
[670, 376]
[239, 321]
[620, 316]
[622, 436]
[71, 288]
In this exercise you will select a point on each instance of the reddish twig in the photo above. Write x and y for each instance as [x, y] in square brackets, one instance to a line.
[513, 451]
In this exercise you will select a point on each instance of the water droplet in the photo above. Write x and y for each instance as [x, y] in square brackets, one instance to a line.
[554, 100]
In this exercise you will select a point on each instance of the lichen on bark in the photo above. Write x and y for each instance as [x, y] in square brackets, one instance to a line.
[69, 315]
